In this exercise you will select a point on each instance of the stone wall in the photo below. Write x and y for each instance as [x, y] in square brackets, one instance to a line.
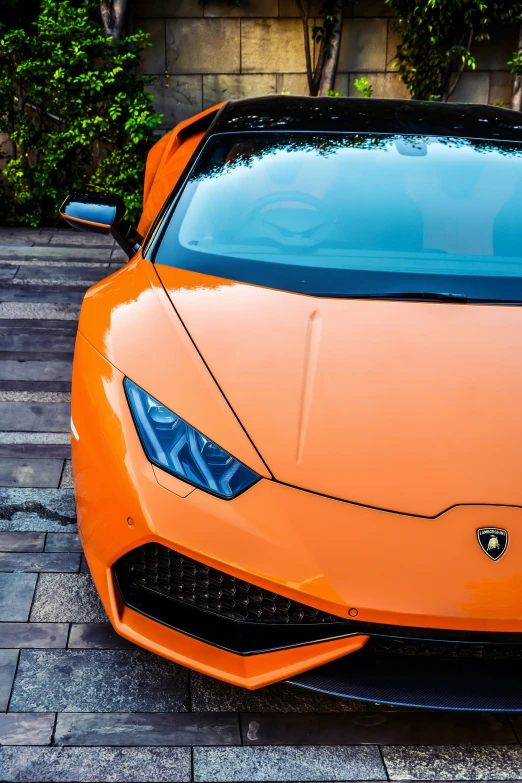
[206, 52]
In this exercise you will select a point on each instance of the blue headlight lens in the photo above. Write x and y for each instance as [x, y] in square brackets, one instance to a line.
[182, 450]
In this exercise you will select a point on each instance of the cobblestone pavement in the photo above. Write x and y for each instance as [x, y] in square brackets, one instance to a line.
[77, 702]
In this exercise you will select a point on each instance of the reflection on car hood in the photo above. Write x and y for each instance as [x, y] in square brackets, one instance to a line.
[408, 406]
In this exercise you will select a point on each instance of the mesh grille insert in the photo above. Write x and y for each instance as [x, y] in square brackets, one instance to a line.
[173, 575]
[429, 648]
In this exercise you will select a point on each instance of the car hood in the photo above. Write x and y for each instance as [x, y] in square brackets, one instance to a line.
[404, 406]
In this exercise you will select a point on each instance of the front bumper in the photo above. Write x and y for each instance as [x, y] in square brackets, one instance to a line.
[485, 684]
[363, 565]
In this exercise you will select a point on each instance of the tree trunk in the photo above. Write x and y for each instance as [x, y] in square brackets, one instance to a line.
[516, 95]
[333, 47]
[321, 57]
[113, 16]
[304, 13]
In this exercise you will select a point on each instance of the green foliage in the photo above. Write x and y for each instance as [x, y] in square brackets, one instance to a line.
[334, 94]
[516, 62]
[75, 112]
[437, 37]
[324, 31]
[363, 87]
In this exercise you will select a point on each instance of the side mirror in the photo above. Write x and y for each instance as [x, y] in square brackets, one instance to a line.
[102, 213]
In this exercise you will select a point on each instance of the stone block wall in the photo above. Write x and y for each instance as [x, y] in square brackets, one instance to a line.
[206, 52]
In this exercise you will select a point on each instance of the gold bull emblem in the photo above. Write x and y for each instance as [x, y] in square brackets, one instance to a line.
[493, 543]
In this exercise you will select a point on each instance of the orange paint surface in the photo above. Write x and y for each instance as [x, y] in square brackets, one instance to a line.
[166, 162]
[380, 430]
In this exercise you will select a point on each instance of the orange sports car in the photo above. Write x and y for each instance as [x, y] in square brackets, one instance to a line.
[297, 410]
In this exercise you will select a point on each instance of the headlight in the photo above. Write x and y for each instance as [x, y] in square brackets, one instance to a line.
[185, 452]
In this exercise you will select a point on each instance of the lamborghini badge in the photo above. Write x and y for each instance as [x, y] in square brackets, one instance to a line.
[493, 541]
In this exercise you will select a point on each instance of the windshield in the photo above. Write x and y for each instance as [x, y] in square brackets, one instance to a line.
[349, 214]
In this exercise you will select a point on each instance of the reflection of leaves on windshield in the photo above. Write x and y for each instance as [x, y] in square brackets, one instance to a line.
[233, 153]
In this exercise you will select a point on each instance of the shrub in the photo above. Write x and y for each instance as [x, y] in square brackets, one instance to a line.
[74, 110]
[438, 38]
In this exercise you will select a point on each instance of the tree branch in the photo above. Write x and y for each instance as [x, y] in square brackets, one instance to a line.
[304, 13]
[516, 95]
[447, 95]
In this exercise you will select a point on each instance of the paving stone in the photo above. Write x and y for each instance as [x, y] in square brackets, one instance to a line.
[67, 481]
[8, 660]
[46, 310]
[51, 562]
[24, 729]
[84, 567]
[29, 341]
[34, 417]
[16, 595]
[95, 765]
[516, 721]
[62, 542]
[27, 236]
[38, 325]
[147, 729]
[97, 636]
[34, 395]
[75, 238]
[454, 763]
[43, 292]
[30, 472]
[286, 763]
[21, 542]
[223, 87]
[58, 504]
[66, 273]
[36, 450]
[196, 46]
[17, 252]
[36, 438]
[118, 255]
[98, 681]
[12, 370]
[272, 46]
[67, 598]
[209, 695]
[39, 635]
[36, 386]
[7, 272]
[388, 728]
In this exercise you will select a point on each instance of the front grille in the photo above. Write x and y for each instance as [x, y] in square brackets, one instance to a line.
[432, 648]
[170, 574]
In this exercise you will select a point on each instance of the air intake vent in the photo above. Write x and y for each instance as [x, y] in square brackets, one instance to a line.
[172, 575]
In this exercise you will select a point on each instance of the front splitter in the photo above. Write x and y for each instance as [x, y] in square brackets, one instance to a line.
[434, 683]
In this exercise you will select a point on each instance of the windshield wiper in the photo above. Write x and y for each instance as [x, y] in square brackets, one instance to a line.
[421, 296]
[429, 296]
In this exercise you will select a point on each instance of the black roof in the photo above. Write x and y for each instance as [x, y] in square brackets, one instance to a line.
[368, 115]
